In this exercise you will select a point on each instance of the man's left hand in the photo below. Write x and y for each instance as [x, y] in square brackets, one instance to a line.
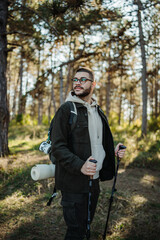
[118, 152]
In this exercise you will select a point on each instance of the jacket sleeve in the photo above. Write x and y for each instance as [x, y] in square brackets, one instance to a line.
[60, 137]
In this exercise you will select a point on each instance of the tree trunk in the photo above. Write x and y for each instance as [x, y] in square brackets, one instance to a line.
[156, 98]
[156, 87]
[108, 94]
[144, 69]
[40, 108]
[21, 83]
[14, 106]
[4, 113]
[53, 95]
[40, 97]
[120, 100]
[61, 87]
[108, 88]
[70, 72]
[130, 106]
[52, 99]
[9, 82]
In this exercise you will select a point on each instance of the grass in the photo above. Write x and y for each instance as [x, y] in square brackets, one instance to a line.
[135, 210]
[141, 152]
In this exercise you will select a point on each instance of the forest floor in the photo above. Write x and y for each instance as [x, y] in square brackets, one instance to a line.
[135, 213]
[24, 215]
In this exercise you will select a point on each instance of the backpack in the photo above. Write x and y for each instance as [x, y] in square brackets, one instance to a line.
[72, 122]
[46, 145]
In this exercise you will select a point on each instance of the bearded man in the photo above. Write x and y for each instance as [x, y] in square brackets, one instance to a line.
[75, 149]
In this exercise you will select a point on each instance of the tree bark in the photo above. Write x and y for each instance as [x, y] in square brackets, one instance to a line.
[61, 87]
[21, 83]
[156, 98]
[52, 100]
[70, 72]
[108, 87]
[4, 113]
[40, 109]
[144, 69]
[120, 100]
[14, 107]
[40, 97]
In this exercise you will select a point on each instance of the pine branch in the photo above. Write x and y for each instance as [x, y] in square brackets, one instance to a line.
[41, 17]
[15, 32]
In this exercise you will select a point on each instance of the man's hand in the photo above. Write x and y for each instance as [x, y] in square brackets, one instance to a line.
[89, 168]
[118, 152]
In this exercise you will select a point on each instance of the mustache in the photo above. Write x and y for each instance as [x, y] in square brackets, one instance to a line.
[78, 87]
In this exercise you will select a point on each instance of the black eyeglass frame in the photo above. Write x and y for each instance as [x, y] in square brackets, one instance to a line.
[80, 80]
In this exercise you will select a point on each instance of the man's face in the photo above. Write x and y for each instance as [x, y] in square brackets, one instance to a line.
[82, 89]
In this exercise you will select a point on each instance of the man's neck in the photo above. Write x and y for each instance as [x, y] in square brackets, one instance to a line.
[87, 99]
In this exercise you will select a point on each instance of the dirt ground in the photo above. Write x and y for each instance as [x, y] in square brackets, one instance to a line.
[135, 213]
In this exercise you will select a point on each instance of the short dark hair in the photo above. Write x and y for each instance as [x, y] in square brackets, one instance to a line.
[84, 69]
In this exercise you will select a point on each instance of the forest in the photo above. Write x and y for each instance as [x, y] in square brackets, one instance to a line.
[42, 44]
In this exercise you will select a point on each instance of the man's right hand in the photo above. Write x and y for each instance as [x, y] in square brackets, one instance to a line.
[89, 168]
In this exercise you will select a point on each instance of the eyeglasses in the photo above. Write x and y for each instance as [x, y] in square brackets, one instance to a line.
[82, 80]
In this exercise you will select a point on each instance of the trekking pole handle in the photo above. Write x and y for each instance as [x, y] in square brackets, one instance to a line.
[93, 161]
[122, 147]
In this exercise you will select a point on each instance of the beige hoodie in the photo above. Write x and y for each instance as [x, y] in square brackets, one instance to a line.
[95, 131]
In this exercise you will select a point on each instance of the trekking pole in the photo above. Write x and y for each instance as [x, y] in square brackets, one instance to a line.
[113, 190]
[89, 203]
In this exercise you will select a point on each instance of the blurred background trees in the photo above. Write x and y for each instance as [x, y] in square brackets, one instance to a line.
[48, 40]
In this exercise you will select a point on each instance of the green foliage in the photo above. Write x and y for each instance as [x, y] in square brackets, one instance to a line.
[141, 152]
[154, 124]
[23, 119]
[148, 156]
[19, 179]
[17, 132]
[113, 119]
[19, 118]
[27, 119]
[45, 120]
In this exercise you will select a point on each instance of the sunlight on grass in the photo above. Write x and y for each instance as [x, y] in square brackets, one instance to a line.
[123, 223]
[24, 145]
[149, 180]
[138, 200]
[17, 200]
[22, 209]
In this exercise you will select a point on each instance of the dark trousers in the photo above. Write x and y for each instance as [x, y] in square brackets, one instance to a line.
[75, 211]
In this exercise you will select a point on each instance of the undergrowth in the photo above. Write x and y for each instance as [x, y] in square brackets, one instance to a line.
[135, 210]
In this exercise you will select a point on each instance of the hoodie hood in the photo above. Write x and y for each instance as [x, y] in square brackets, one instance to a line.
[73, 98]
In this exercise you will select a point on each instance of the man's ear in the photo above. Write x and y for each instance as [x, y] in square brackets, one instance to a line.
[94, 84]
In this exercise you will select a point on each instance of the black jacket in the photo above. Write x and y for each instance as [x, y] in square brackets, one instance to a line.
[72, 148]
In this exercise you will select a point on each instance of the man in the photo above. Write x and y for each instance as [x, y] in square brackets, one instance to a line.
[90, 139]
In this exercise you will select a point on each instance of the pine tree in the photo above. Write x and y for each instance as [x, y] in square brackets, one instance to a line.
[4, 114]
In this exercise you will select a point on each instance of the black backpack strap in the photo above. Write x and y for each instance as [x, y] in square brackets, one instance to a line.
[73, 114]
[72, 118]
[53, 196]
[50, 129]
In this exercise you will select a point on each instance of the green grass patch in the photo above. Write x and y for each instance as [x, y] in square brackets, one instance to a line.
[135, 210]
[27, 131]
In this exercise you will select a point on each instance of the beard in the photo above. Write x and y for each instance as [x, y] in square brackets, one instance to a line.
[85, 93]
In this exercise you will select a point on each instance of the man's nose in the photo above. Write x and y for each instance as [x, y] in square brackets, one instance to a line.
[78, 81]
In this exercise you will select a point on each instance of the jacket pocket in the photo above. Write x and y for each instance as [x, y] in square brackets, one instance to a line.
[81, 130]
[69, 213]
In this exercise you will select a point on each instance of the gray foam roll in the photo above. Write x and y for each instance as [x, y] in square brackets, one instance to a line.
[42, 171]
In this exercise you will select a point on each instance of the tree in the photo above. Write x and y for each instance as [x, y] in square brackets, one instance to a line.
[4, 113]
[144, 68]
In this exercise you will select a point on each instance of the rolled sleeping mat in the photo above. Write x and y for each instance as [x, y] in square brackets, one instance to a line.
[42, 171]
